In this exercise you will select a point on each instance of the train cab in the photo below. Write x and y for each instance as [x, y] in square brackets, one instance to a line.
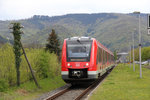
[79, 60]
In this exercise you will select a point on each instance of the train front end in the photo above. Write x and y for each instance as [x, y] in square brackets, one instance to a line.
[78, 60]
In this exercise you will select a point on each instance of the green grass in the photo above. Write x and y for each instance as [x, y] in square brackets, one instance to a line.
[124, 84]
[28, 90]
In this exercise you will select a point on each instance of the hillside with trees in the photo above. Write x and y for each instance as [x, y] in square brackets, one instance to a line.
[4, 40]
[145, 51]
[114, 30]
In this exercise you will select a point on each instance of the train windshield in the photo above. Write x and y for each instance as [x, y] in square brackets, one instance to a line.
[78, 50]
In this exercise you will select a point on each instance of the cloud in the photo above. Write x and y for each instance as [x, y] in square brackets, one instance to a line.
[16, 9]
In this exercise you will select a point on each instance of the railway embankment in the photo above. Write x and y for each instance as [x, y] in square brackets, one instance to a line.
[28, 90]
[124, 84]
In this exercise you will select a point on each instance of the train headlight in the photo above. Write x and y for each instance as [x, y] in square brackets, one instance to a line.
[68, 64]
[87, 64]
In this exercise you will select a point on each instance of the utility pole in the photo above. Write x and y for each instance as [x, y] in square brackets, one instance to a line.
[140, 48]
[137, 12]
[148, 24]
[133, 52]
[130, 54]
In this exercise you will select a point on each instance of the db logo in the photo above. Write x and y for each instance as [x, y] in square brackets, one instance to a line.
[77, 64]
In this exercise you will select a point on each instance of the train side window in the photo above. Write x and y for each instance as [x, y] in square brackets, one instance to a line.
[109, 57]
[103, 57]
[106, 56]
[100, 57]
[97, 56]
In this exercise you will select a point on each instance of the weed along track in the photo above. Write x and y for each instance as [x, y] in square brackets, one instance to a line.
[77, 92]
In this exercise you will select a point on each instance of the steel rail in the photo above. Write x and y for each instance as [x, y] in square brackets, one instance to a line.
[58, 94]
[94, 84]
[85, 91]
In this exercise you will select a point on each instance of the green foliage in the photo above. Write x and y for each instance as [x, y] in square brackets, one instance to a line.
[145, 52]
[42, 65]
[17, 47]
[7, 64]
[53, 43]
[37, 58]
[3, 85]
[115, 55]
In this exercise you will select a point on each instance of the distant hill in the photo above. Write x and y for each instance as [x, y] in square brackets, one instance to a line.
[114, 30]
[2, 40]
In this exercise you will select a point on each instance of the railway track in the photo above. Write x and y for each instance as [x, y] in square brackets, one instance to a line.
[77, 92]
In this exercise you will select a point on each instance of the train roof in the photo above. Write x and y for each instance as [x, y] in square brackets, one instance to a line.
[89, 38]
[80, 38]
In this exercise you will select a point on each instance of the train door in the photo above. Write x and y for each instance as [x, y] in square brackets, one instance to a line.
[100, 59]
[97, 59]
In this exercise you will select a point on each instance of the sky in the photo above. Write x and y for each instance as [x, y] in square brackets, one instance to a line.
[21, 9]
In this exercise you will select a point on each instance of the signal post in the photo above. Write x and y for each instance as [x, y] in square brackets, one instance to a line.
[148, 24]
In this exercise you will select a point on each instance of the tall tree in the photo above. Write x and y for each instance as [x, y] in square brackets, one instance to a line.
[17, 48]
[53, 43]
[115, 55]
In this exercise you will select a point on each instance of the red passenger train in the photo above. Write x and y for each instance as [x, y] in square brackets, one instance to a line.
[84, 59]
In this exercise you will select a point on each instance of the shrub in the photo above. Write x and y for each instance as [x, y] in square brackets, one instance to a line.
[3, 85]
[44, 64]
